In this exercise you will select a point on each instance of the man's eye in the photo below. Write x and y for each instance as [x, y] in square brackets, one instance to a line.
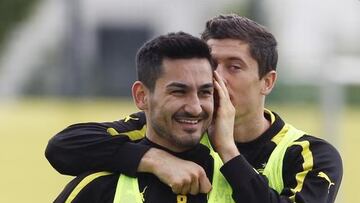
[235, 67]
[178, 92]
[207, 92]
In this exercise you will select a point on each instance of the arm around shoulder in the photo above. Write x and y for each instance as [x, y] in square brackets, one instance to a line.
[88, 146]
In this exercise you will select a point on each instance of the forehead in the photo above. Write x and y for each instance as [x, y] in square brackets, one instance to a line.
[195, 70]
[223, 48]
[228, 50]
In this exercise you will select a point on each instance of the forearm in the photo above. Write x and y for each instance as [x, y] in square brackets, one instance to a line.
[247, 184]
[150, 160]
[181, 175]
[317, 182]
[87, 147]
[228, 153]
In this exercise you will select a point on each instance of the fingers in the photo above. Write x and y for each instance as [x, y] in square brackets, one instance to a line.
[176, 188]
[205, 185]
[186, 188]
[194, 188]
[220, 86]
[222, 134]
[182, 176]
[196, 182]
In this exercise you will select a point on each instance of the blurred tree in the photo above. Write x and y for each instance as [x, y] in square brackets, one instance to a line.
[252, 9]
[11, 13]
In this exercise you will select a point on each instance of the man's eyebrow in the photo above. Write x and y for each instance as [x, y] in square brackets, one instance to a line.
[207, 86]
[177, 85]
[184, 86]
[233, 58]
[236, 59]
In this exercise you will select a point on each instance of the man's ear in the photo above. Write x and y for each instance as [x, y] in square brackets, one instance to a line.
[268, 82]
[140, 95]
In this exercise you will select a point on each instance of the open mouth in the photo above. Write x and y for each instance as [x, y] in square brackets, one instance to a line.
[188, 121]
[188, 125]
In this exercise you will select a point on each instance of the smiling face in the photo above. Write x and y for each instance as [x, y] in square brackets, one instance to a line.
[180, 108]
[240, 72]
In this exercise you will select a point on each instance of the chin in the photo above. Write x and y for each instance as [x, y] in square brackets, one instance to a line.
[190, 142]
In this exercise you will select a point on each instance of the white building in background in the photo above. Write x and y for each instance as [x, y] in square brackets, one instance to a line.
[319, 45]
[316, 37]
[80, 27]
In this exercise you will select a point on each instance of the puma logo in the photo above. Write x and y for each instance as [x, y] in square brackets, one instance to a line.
[127, 118]
[261, 170]
[326, 177]
[142, 194]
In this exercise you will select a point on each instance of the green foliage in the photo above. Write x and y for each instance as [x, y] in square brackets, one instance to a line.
[309, 94]
[353, 94]
[294, 94]
[11, 13]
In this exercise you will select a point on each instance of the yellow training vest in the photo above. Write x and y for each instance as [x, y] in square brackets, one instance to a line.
[274, 166]
[127, 189]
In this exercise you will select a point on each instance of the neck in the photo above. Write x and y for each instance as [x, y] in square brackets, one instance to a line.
[249, 127]
[164, 142]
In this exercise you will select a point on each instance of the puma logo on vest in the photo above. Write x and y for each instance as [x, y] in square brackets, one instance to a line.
[127, 118]
[323, 175]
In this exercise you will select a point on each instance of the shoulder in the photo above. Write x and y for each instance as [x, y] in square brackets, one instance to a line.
[313, 156]
[316, 148]
[311, 163]
[90, 187]
[135, 121]
[132, 126]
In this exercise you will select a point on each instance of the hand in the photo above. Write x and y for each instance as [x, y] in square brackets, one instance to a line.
[222, 130]
[182, 176]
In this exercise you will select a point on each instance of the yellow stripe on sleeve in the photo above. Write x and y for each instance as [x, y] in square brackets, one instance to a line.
[83, 183]
[307, 166]
[136, 134]
[133, 135]
[112, 131]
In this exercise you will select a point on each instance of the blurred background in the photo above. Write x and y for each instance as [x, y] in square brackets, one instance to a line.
[69, 61]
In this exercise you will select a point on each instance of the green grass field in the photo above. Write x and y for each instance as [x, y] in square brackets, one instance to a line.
[26, 126]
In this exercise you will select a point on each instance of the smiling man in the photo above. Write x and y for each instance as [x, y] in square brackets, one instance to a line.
[175, 91]
[180, 106]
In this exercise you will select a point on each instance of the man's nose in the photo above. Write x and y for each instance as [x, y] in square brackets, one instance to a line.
[194, 105]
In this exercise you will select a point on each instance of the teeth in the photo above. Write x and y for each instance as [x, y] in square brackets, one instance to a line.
[189, 121]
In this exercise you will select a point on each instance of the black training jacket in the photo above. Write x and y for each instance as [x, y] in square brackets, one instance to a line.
[312, 171]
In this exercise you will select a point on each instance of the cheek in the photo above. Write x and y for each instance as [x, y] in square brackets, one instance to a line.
[244, 85]
[169, 105]
[208, 106]
[241, 91]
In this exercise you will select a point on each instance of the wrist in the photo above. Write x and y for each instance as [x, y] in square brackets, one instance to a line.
[148, 162]
[228, 153]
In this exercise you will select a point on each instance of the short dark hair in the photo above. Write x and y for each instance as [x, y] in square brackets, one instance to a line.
[262, 43]
[179, 45]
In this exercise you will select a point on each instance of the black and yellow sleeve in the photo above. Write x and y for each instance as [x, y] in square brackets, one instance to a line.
[89, 187]
[112, 144]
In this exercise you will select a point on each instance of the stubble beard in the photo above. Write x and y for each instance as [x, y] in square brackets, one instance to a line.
[176, 140]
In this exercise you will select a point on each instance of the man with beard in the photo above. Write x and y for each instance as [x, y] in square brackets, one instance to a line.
[175, 90]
